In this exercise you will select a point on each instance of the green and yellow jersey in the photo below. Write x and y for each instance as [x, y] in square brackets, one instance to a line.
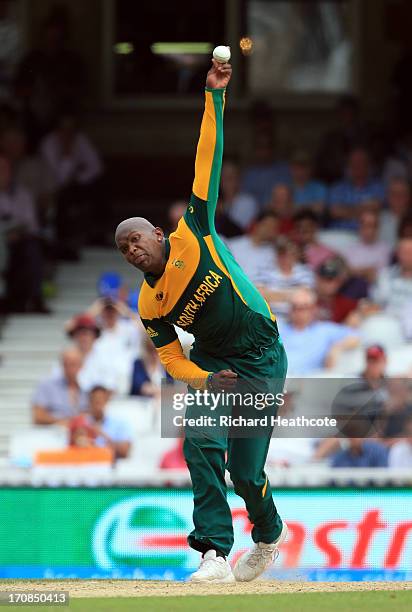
[203, 290]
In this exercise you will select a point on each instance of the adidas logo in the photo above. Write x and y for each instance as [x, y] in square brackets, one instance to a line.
[152, 333]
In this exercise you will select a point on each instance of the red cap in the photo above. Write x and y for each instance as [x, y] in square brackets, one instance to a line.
[84, 321]
[81, 422]
[376, 351]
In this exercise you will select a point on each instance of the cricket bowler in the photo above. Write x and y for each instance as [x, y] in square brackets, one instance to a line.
[191, 280]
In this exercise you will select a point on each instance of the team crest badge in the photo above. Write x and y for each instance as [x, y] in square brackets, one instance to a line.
[179, 264]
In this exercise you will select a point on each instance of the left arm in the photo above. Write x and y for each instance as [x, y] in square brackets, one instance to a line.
[120, 448]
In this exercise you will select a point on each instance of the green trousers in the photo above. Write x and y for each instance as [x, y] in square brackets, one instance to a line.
[206, 448]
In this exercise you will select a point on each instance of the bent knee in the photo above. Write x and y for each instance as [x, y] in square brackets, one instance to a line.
[242, 482]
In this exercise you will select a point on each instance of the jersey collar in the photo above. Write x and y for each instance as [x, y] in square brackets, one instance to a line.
[150, 278]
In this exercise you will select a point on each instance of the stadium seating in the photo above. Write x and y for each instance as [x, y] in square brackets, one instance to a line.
[26, 442]
[350, 363]
[382, 329]
[400, 360]
[31, 344]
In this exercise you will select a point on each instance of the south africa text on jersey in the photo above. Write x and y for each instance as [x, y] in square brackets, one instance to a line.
[206, 288]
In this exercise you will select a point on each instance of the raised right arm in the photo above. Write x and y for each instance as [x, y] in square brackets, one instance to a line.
[209, 152]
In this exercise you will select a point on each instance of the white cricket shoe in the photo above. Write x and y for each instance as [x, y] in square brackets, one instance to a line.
[213, 569]
[258, 558]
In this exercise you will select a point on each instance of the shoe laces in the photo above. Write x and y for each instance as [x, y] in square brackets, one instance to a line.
[205, 563]
[268, 554]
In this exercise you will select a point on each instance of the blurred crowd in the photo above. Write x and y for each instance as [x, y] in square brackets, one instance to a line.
[327, 239]
[52, 199]
[108, 355]
[325, 234]
[373, 413]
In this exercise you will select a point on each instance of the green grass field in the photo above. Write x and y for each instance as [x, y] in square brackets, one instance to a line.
[365, 601]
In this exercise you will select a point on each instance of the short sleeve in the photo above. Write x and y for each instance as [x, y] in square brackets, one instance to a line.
[41, 395]
[159, 331]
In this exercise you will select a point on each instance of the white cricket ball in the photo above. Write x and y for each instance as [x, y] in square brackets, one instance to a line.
[221, 54]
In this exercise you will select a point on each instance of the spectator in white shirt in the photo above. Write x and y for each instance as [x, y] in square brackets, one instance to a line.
[399, 201]
[77, 168]
[279, 283]
[121, 335]
[255, 250]
[367, 255]
[400, 454]
[117, 322]
[393, 288]
[99, 364]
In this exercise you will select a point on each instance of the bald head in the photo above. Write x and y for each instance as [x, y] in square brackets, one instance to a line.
[134, 224]
[303, 296]
[142, 245]
[302, 308]
[72, 361]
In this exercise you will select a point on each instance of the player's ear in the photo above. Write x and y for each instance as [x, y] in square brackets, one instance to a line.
[159, 234]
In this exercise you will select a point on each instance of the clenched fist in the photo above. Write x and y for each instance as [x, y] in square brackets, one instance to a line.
[222, 381]
[219, 75]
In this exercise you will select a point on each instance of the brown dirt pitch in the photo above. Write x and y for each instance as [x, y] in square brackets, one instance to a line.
[148, 588]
